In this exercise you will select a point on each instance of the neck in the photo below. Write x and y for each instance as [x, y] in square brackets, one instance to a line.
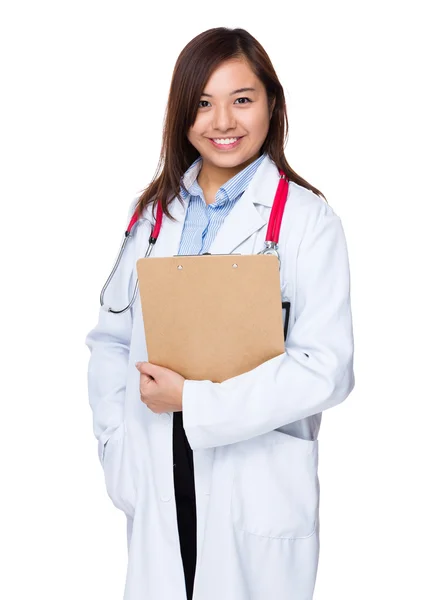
[212, 177]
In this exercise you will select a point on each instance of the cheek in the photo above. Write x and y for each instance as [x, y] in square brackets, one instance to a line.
[256, 124]
[195, 137]
[258, 132]
[198, 128]
[192, 135]
[261, 123]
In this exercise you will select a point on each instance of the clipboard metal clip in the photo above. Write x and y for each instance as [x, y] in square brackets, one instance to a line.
[286, 305]
[209, 253]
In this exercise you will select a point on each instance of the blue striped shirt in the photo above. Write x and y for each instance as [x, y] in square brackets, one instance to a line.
[203, 220]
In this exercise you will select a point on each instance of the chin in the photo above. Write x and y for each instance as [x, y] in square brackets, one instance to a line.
[232, 158]
[226, 161]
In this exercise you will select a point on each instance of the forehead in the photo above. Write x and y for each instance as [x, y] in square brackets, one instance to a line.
[230, 75]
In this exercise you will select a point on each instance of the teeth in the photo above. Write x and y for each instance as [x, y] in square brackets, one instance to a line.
[225, 141]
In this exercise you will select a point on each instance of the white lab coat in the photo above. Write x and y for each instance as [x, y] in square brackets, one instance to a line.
[254, 437]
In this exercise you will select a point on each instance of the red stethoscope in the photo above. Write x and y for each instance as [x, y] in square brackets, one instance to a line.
[271, 243]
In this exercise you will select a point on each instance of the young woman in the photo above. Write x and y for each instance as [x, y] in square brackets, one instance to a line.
[219, 482]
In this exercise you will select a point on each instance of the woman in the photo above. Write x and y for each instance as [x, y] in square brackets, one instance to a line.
[219, 482]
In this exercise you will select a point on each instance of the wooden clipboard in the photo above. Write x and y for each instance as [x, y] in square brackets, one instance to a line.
[211, 316]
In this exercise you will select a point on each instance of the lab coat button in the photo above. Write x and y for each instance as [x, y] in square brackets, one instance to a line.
[165, 498]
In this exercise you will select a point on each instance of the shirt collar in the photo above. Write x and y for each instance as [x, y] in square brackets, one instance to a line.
[229, 190]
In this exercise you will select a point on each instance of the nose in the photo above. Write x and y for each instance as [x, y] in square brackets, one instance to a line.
[223, 119]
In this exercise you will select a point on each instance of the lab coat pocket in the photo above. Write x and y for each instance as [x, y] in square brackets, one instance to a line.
[275, 490]
[118, 471]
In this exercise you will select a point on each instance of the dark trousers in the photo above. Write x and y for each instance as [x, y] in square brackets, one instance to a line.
[184, 485]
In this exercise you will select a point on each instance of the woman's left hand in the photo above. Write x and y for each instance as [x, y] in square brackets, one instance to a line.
[160, 388]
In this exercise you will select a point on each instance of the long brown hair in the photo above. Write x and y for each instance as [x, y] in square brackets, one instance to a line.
[194, 66]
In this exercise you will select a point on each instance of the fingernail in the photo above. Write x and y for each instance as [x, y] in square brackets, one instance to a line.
[137, 364]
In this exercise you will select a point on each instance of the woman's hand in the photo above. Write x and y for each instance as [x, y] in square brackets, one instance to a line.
[160, 388]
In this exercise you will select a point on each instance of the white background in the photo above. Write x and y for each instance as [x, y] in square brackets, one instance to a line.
[84, 88]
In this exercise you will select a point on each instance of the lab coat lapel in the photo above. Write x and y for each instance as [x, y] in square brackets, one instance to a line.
[242, 222]
[245, 218]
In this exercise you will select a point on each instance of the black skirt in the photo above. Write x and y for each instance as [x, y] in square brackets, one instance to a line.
[184, 486]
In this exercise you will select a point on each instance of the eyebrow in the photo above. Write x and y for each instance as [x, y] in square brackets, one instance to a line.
[245, 89]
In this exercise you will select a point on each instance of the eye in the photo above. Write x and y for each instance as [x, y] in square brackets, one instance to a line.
[244, 99]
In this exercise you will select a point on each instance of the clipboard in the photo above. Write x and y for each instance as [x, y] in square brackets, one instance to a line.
[211, 317]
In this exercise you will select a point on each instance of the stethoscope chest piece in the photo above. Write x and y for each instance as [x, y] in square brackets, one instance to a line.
[271, 248]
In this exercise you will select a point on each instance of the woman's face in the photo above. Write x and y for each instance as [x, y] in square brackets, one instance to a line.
[226, 112]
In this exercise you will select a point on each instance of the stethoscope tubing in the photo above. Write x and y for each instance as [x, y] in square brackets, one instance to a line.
[271, 242]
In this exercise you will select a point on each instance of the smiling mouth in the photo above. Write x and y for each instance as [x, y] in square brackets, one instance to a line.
[224, 144]
[224, 139]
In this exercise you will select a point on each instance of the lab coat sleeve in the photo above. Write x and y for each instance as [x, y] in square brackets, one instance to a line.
[109, 344]
[313, 374]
